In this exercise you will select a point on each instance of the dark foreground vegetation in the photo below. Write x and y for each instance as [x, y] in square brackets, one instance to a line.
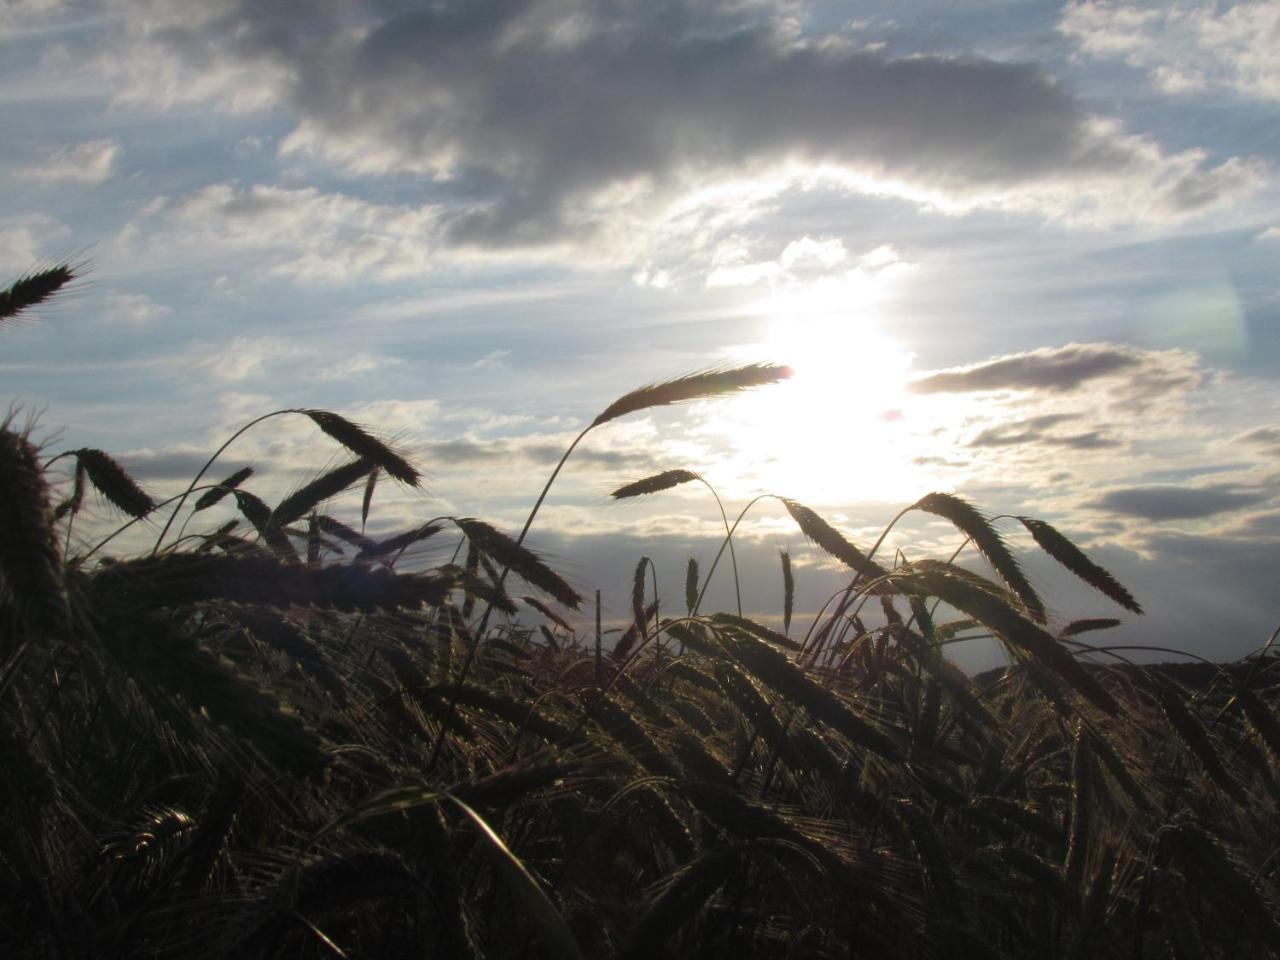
[275, 736]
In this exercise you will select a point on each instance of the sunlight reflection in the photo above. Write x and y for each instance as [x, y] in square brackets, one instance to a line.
[840, 430]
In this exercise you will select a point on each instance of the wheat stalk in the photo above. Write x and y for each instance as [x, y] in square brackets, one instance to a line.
[216, 493]
[299, 503]
[35, 288]
[30, 562]
[1073, 558]
[512, 555]
[654, 484]
[113, 482]
[986, 538]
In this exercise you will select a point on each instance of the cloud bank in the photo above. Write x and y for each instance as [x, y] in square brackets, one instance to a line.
[1185, 47]
[545, 122]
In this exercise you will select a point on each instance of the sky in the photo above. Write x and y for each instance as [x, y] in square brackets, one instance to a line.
[1024, 252]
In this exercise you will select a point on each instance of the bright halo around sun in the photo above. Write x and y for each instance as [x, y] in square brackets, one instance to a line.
[839, 431]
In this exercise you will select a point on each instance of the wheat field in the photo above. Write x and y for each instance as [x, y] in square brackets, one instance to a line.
[265, 737]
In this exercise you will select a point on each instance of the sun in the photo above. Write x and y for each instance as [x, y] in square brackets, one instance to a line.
[839, 430]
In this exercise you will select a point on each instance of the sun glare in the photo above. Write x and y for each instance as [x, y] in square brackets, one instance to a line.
[839, 430]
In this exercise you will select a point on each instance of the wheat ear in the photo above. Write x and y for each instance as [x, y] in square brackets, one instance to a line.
[215, 493]
[654, 484]
[1073, 558]
[986, 538]
[34, 289]
[30, 562]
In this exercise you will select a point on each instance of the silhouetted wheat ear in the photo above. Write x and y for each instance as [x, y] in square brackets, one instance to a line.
[216, 494]
[637, 592]
[365, 445]
[73, 503]
[935, 865]
[774, 670]
[1200, 853]
[696, 386]
[259, 514]
[788, 590]
[397, 542]
[370, 485]
[831, 540]
[1077, 627]
[678, 899]
[299, 503]
[629, 636]
[111, 480]
[978, 598]
[987, 539]
[1082, 804]
[1073, 558]
[547, 612]
[30, 562]
[1262, 718]
[185, 578]
[746, 625]
[1115, 765]
[1196, 738]
[520, 560]
[339, 530]
[1177, 916]
[515, 783]
[691, 585]
[654, 484]
[751, 821]
[34, 289]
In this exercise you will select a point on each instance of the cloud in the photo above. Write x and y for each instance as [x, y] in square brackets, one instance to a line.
[1185, 48]
[25, 240]
[559, 122]
[246, 357]
[90, 162]
[1266, 439]
[134, 308]
[1036, 431]
[24, 14]
[466, 451]
[1063, 369]
[310, 234]
[1158, 502]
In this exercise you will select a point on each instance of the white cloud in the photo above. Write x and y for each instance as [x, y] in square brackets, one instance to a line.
[1185, 47]
[25, 241]
[806, 267]
[90, 162]
[254, 357]
[20, 14]
[134, 308]
[308, 234]
[561, 128]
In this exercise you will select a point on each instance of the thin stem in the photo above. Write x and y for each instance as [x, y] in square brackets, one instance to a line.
[547, 489]
[727, 541]
[207, 465]
[132, 520]
[728, 535]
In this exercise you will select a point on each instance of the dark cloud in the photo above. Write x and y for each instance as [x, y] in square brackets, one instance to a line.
[464, 451]
[1178, 503]
[1018, 432]
[531, 111]
[1265, 438]
[1146, 374]
[1035, 430]
[176, 465]
[1053, 369]
[1090, 440]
